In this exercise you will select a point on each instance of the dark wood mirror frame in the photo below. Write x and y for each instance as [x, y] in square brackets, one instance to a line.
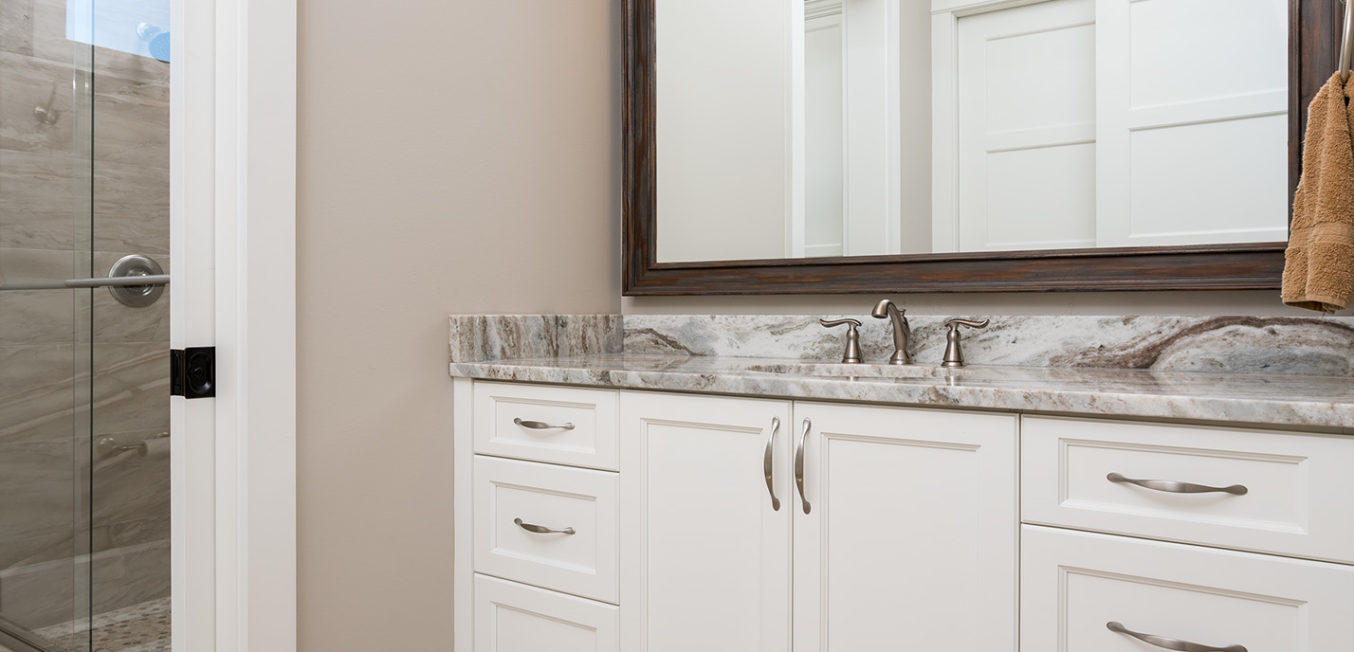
[1314, 42]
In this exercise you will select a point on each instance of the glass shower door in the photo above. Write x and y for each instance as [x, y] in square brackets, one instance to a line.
[84, 383]
[46, 224]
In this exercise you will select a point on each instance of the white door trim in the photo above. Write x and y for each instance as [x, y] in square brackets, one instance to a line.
[233, 234]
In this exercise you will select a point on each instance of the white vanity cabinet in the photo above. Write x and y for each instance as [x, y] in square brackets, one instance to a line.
[601, 520]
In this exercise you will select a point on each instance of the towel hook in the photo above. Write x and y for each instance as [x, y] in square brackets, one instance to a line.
[1346, 42]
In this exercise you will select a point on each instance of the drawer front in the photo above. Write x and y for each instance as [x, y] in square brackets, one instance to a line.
[511, 617]
[1298, 489]
[1075, 584]
[560, 425]
[517, 502]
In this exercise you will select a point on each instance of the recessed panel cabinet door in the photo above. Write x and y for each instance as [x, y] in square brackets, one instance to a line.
[705, 551]
[906, 535]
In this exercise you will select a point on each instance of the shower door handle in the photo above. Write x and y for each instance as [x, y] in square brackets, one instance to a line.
[96, 282]
[118, 281]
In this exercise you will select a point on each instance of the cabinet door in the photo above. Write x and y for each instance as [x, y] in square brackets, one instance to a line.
[909, 536]
[705, 556]
[1084, 592]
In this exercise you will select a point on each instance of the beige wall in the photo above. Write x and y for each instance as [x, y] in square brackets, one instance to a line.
[453, 157]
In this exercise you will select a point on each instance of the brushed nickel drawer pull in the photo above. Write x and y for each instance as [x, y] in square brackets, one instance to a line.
[1170, 643]
[1173, 487]
[768, 465]
[540, 529]
[799, 464]
[541, 425]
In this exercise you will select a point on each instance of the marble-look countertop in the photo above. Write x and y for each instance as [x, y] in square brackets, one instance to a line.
[1293, 401]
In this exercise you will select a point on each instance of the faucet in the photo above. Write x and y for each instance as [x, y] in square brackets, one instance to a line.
[902, 332]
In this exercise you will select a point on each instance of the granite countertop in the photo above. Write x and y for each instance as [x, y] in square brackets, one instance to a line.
[1295, 401]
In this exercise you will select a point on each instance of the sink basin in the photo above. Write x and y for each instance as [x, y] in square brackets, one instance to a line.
[882, 371]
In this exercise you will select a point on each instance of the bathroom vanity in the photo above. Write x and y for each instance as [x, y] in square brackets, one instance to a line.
[614, 500]
[1111, 484]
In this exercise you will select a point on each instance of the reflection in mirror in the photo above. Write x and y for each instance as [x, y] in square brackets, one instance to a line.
[789, 129]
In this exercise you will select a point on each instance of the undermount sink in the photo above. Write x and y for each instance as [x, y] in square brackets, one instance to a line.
[851, 370]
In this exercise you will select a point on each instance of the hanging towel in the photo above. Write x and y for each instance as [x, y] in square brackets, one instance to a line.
[1319, 264]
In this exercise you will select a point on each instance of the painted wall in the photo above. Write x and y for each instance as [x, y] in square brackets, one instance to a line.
[453, 157]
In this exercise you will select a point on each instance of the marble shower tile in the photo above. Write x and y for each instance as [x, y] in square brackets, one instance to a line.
[37, 317]
[37, 489]
[29, 83]
[44, 201]
[39, 595]
[18, 552]
[129, 575]
[130, 489]
[131, 120]
[131, 387]
[38, 265]
[131, 208]
[16, 26]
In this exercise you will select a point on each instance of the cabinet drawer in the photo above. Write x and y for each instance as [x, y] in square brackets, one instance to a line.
[515, 618]
[1299, 489]
[516, 502]
[1074, 584]
[561, 425]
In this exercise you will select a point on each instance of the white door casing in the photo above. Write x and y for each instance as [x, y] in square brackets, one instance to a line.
[233, 253]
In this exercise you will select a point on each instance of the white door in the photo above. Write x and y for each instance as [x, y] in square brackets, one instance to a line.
[1192, 121]
[1084, 592]
[705, 552]
[907, 530]
[1026, 89]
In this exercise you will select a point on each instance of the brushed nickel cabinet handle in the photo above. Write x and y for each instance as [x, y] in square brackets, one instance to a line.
[540, 529]
[768, 463]
[1173, 487]
[1170, 643]
[799, 464]
[541, 425]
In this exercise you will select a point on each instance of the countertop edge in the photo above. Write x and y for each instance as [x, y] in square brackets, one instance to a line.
[1325, 416]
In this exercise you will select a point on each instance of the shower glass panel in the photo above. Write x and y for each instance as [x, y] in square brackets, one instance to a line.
[84, 385]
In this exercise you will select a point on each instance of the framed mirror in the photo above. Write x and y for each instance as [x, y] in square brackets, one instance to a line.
[838, 146]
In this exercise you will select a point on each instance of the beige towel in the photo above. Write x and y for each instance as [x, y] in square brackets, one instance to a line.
[1319, 264]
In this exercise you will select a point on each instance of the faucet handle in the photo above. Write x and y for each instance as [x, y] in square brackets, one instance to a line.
[954, 356]
[852, 354]
[953, 324]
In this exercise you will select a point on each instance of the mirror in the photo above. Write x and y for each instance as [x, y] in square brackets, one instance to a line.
[791, 129]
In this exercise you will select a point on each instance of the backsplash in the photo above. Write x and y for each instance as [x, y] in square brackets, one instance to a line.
[1276, 345]
[495, 337]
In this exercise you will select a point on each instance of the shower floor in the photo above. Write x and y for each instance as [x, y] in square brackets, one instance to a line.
[139, 628]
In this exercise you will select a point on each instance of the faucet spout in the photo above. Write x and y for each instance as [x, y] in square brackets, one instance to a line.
[902, 331]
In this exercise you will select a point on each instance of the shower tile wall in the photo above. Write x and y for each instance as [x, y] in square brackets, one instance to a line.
[38, 240]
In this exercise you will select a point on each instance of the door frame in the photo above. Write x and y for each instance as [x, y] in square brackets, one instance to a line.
[233, 260]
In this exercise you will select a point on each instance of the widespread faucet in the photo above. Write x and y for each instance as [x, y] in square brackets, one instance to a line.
[902, 331]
